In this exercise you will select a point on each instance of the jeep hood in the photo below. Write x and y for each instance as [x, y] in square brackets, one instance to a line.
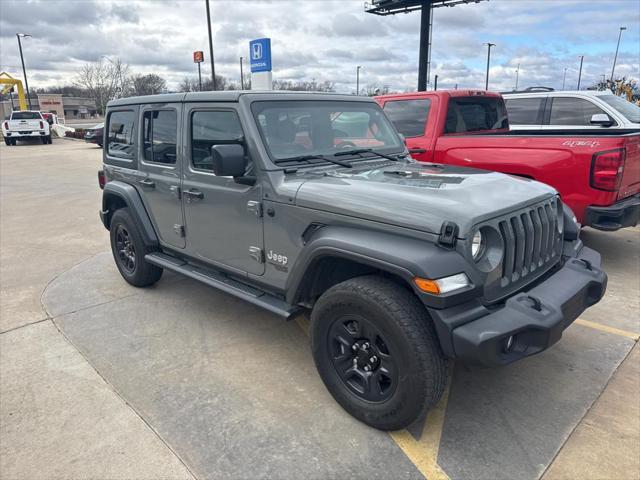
[420, 196]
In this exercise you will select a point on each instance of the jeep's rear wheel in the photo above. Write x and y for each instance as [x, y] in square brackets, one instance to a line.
[129, 250]
[377, 352]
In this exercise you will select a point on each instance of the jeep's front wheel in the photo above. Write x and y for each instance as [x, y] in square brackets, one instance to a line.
[129, 250]
[377, 352]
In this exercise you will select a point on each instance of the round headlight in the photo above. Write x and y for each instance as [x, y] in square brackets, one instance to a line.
[477, 245]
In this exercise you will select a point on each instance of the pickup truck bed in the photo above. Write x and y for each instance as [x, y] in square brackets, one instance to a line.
[597, 175]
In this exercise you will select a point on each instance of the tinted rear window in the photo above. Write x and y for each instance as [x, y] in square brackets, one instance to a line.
[525, 111]
[474, 114]
[408, 116]
[25, 116]
[120, 134]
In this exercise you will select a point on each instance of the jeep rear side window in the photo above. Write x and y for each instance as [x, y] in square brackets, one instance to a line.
[209, 129]
[408, 116]
[160, 129]
[474, 114]
[120, 134]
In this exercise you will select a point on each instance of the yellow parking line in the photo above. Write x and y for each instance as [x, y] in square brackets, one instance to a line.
[608, 329]
[423, 453]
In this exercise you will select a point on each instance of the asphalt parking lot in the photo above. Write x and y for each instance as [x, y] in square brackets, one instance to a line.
[102, 380]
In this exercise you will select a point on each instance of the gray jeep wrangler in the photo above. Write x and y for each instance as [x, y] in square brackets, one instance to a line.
[310, 202]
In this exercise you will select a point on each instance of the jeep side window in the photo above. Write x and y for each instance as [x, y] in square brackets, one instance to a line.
[120, 134]
[160, 131]
[209, 128]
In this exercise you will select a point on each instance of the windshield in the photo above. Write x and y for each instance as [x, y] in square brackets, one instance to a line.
[630, 111]
[26, 116]
[301, 128]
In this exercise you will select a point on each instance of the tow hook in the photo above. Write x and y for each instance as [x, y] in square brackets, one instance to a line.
[587, 264]
[537, 304]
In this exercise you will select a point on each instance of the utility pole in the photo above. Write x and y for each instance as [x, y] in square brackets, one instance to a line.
[241, 75]
[580, 73]
[489, 45]
[564, 77]
[358, 67]
[517, 75]
[213, 67]
[435, 83]
[24, 70]
[615, 58]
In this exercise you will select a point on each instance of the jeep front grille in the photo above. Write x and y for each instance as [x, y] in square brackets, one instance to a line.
[532, 243]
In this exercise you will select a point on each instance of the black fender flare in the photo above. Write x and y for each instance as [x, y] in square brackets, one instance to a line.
[404, 257]
[129, 195]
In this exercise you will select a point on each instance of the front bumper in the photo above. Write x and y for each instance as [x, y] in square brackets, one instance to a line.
[534, 319]
[625, 213]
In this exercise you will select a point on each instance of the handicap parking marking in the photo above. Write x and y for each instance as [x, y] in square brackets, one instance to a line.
[605, 328]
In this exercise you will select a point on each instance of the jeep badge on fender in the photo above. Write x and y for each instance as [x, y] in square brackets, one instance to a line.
[400, 264]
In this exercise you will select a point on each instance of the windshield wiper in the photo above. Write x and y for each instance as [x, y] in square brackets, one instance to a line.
[360, 151]
[302, 158]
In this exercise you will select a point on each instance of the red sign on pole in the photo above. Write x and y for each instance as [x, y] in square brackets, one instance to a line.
[198, 57]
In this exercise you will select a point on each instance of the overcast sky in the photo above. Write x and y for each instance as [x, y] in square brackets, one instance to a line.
[325, 40]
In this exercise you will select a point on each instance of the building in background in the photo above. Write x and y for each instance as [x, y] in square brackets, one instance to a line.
[73, 108]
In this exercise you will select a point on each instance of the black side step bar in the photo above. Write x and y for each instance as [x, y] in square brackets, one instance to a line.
[224, 283]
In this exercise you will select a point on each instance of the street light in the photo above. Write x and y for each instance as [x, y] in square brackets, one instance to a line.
[24, 70]
[616, 55]
[241, 75]
[580, 73]
[564, 78]
[517, 75]
[213, 67]
[358, 67]
[489, 45]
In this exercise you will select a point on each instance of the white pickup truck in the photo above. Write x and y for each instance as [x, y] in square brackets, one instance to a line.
[25, 124]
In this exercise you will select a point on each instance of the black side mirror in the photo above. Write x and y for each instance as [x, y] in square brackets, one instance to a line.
[228, 160]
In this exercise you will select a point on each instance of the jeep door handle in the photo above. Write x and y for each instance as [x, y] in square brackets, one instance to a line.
[193, 194]
[146, 183]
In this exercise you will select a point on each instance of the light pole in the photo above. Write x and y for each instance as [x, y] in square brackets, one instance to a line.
[241, 75]
[489, 45]
[616, 55]
[24, 70]
[580, 73]
[517, 75]
[564, 77]
[213, 67]
[358, 67]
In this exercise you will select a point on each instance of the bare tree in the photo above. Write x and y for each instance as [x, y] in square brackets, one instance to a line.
[304, 86]
[104, 80]
[150, 84]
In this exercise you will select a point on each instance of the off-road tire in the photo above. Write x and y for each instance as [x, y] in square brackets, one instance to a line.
[405, 326]
[142, 273]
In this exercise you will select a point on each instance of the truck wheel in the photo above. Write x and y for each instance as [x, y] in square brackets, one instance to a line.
[44, 140]
[128, 251]
[377, 352]
[7, 142]
[49, 140]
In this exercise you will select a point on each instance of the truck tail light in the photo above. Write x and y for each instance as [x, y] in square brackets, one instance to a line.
[41, 125]
[6, 125]
[101, 179]
[607, 168]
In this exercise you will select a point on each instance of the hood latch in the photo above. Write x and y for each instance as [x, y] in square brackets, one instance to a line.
[448, 234]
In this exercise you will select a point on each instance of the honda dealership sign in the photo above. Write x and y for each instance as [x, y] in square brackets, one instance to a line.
[260, 61]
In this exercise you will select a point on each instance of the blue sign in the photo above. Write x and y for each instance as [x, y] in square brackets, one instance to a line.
[260, 55]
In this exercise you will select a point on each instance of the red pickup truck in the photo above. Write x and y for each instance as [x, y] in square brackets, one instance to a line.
[596, 173]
